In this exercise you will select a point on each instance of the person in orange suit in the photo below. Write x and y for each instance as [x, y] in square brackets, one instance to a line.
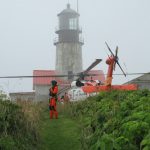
[53, 98]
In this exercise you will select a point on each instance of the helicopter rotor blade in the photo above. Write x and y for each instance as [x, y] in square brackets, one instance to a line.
[109, 49]
[114, 67]
[84, 73]
[121, 68]
[96, 62]
[116, 57]
[44, 76]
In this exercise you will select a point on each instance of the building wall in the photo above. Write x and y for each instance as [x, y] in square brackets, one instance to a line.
[68, 57]
[143, 85]
[22, 96]
[143, 82]
[41, 92]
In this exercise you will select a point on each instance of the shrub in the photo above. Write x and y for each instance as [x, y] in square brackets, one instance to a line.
[17, 131]
[117, 120]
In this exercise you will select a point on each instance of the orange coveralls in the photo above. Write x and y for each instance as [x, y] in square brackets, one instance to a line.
[52, 101]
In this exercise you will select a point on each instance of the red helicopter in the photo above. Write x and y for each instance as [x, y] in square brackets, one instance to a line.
[81, 89]
[111, 61]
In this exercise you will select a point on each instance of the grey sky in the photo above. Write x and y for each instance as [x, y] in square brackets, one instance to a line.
[27, 32]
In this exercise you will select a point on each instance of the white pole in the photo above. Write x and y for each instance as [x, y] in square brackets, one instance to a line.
[77, 6]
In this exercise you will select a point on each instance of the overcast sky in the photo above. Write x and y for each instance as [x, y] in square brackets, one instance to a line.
[27, 32]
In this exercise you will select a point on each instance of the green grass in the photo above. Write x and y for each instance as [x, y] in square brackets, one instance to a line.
[59, 134]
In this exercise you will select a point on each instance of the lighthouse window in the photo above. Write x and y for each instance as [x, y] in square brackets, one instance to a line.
[73, 23]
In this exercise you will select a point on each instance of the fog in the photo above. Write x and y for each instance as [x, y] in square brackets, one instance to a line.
[27, 31]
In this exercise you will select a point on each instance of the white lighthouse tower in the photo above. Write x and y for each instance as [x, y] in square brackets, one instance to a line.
[69, 42]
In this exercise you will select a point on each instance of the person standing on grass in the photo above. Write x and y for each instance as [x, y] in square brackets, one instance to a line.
[53, 98]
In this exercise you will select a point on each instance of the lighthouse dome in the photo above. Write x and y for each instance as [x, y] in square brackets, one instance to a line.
[69, 11]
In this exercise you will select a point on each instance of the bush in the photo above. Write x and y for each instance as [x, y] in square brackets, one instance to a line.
[118, 120]
[16, 130]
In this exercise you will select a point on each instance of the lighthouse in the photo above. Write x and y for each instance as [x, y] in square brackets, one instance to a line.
[68, 42]
[68, 56]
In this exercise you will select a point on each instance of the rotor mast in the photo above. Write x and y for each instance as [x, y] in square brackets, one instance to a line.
[111, 62]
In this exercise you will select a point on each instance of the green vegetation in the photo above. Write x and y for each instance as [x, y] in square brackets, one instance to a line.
[118, 120]
[17, 131]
